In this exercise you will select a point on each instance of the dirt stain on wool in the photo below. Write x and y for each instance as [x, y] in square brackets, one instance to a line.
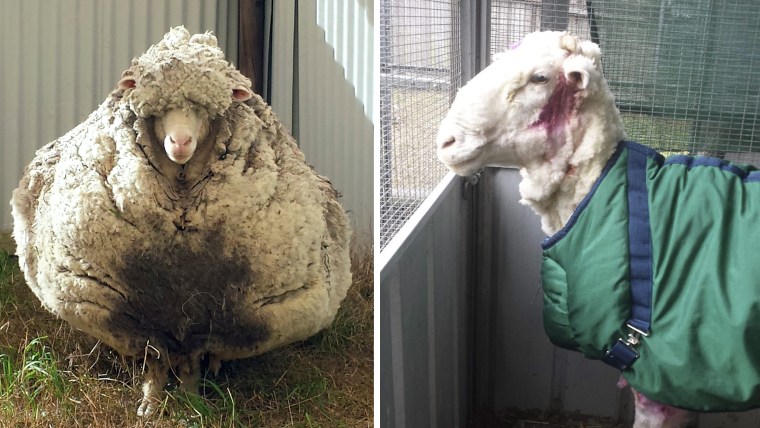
[185, 298]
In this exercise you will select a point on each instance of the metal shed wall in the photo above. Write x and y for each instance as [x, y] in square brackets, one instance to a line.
[424, 318]
[61, 58]
[322, 79]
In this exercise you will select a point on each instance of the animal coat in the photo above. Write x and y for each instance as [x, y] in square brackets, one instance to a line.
[692, 225]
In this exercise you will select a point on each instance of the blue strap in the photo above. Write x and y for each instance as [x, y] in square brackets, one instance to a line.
[639, 242]
[622, 354]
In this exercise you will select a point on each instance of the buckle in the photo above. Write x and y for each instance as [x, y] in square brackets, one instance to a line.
[636, 330]
[623, 353]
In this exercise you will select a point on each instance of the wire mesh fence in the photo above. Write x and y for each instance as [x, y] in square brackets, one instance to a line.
[686, 77]
[512, 20]
[686, 74]
[420, 69]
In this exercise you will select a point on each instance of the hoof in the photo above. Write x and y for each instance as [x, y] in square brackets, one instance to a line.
[147, 407]
[153, 387]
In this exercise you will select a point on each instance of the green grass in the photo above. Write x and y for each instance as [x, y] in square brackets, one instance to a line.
[53, 375]
[670, 136]
[8, 272]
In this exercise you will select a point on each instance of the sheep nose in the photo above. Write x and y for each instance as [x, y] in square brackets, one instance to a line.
[447, 136]
[446, 141]
[180, 139]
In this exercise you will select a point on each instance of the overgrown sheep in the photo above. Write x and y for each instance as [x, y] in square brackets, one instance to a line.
[180, 221]
[650, 263]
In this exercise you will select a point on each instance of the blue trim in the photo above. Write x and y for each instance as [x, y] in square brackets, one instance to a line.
[747, 174]
[551, 240]
[693, 162]
[646, 151]
[750, 175]
[639, 241]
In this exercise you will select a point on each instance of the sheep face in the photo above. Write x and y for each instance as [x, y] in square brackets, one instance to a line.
[182, 83]
[516, 111]
[180, 130]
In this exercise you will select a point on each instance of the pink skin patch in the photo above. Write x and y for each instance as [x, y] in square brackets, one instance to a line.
[669, 415]
[657, 408]
[556, 114]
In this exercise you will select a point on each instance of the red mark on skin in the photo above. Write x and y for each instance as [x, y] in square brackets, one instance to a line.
[556, 114]
[657, 408]
[650, 409]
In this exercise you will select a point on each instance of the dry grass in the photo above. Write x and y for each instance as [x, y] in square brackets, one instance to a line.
[54, 376]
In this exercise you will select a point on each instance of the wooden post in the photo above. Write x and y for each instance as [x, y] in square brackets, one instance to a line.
[251, 41]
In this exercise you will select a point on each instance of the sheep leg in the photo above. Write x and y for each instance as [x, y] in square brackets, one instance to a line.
[153, 387]
[214, 364]
[652, 414]
[189, 374]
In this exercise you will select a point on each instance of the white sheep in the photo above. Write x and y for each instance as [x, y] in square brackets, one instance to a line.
[544, 107]
[180, 220]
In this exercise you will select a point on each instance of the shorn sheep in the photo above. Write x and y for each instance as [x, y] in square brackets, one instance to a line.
[649, 264]
[180, 221]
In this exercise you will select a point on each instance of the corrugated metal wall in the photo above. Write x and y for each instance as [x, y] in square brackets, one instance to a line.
[322, 78]
[424, 316]
[61, 58]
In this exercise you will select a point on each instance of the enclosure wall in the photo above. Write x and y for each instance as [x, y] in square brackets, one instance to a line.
[62, 58]
[516, 365]
[424, 340]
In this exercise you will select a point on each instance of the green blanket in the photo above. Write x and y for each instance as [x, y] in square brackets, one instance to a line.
[700, 244]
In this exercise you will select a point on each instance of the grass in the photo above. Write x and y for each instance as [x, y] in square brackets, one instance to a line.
[52, 375]
[670, 136]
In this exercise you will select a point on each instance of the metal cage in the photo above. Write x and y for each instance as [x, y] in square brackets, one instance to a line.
[420, 71]
[684, 74]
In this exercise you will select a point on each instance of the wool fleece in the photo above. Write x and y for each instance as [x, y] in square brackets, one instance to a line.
[243, 249]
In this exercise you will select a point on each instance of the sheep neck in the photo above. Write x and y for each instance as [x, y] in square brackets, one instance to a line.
[554, 186]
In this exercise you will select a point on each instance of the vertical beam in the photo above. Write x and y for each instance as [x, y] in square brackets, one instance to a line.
[251, 42]
[469, 49]
[475, 34]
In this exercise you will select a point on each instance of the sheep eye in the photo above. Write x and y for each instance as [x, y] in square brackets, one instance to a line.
[539, 78]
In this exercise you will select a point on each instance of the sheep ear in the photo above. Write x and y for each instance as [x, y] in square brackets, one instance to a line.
[579, 78]
[241, 94]
[579, 70]
[127, 83]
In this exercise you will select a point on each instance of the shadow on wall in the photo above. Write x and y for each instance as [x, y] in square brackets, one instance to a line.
[333, 101]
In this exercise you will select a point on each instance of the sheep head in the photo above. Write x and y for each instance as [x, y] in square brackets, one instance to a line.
[526, 108]
[183, 82]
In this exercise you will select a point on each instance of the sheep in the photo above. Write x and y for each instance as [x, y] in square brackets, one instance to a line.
[181, 222]
[544, 107]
